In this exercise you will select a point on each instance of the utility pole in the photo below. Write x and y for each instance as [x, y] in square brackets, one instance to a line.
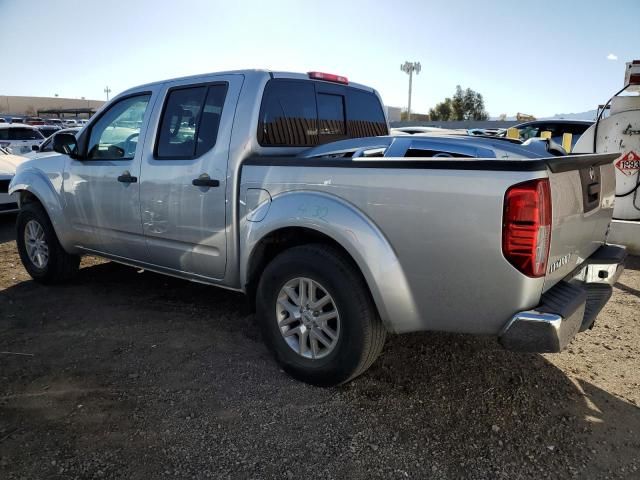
[409, 68]
[107, 90]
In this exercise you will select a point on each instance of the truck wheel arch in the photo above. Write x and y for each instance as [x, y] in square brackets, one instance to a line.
[32, 186]
[344, 228]
[276, 242]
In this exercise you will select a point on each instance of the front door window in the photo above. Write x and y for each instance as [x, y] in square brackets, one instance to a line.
[115, 135]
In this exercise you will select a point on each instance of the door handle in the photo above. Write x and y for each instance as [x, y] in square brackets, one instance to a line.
[205, 181]
[126, 177]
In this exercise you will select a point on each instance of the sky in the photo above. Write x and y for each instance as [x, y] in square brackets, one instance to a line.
[539, 58]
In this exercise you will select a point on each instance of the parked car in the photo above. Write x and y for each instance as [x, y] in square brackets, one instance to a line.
[45, 149]
[417, 130]
[16, 120]
[8, 164]
[70, 122]
[2, 120]
[48, 130]
[556, 127]
[33, 121]
[55, 121]
[336, 248]
[19, 138]
[437, 146]
[486, 132]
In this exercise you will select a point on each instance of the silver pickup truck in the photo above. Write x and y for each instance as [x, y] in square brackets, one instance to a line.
[248, 180]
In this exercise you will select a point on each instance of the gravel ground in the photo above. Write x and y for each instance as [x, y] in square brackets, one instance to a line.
[128, 374]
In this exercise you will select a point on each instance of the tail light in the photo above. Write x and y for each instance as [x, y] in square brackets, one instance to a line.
[526, 227]
[328, 77]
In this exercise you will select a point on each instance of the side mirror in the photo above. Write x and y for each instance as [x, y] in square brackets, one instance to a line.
[66, 144]
[35, 148]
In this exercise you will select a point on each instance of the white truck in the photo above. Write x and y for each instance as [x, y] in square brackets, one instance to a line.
[248, 180]
[617, 129]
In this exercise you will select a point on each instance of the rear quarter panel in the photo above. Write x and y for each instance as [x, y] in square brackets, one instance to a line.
[445, 227]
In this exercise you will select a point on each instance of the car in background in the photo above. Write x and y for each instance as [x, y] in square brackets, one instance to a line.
[48, 130]
[557, 128]
[46, 148]
[54, 121]
[15, 120]
[8, 165]
[418, 130]
[19, 138]
[82, 121]
[2, 120]
[33, 121]
[70, 122]
[484, 132]
[437, 146]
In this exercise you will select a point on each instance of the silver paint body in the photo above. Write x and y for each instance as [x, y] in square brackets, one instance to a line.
[428, 242]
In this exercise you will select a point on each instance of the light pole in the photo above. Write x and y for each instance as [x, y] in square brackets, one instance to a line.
[409, 68]
[107, 90]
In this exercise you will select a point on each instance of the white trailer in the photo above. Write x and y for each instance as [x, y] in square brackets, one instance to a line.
[617, 129]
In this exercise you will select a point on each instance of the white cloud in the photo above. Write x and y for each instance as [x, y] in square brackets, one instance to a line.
[612, 56]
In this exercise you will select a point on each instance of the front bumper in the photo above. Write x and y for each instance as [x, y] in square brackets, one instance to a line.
[571, 306]
[8, 203]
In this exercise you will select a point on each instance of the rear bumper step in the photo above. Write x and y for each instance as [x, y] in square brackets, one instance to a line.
[571, 306]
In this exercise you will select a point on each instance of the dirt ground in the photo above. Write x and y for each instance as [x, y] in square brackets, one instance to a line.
[128, 374]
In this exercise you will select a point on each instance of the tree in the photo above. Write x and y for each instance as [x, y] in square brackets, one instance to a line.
[478, 112]
[442, 111]
[458, 104]
[464, 105]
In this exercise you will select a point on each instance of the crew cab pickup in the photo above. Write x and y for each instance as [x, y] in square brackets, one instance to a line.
[246, 180]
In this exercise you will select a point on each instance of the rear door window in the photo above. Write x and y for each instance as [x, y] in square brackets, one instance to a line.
[177, 137]
[190, 121]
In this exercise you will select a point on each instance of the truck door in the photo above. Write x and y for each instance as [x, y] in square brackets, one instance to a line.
[101, 191]
[183, 178]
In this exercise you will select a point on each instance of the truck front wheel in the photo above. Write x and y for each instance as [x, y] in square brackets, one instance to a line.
[40, 251]
[317, 316]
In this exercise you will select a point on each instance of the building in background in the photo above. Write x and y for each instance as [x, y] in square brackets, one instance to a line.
[48, 107]
[393, 113]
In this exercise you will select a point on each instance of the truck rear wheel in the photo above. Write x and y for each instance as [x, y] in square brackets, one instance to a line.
[317, 316]
[40, 251]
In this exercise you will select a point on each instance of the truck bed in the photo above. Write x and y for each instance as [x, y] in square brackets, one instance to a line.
[443, 221]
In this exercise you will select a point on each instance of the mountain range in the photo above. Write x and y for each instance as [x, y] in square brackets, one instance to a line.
[588, 115]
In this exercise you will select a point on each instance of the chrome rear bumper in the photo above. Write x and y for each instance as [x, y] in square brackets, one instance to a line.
[569, 307]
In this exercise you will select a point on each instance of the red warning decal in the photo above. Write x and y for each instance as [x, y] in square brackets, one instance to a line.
[629, 163]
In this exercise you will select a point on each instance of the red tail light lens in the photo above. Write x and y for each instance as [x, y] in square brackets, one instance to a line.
[328, 77]
[526, 227]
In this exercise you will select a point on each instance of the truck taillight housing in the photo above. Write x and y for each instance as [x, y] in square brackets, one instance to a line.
[526, 226]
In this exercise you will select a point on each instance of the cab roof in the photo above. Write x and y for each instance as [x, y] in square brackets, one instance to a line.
[246, 72]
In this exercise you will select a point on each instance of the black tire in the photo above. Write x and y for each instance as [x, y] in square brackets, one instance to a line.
[362, 333]
[61, 266]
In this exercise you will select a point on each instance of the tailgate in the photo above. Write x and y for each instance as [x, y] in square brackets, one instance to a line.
[582, 197]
